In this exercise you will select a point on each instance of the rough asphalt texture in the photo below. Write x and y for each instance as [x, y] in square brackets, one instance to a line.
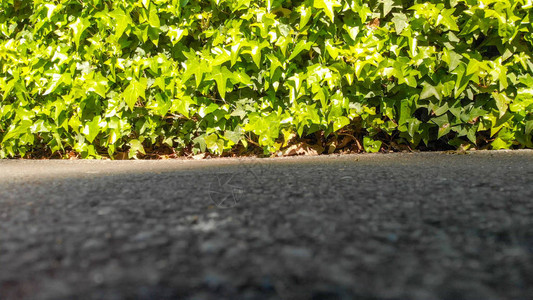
[396, 226]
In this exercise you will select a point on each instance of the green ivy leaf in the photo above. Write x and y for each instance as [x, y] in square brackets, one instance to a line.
[153, 18]
[92, 129]
[387, 6]
[136, 147]
[328, 6]
[214, 144]
[371, 145]
[400, 22]
[428, 91]
[221, 76]
[305, 15]
[122, 20]
[502, 102]
[300, 46]
[135, 90]
[78, 28]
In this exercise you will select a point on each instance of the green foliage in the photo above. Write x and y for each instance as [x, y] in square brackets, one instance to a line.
[101, 77]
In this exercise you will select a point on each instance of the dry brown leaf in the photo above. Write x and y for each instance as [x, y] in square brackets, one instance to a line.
[347, 139]
[332, 147]
[121, 156]
[374, 23]
[72, 155]
[199, 156]
[303, 149]
[400, 147]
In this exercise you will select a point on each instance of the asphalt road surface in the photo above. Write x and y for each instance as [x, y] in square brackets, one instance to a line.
[395, 226]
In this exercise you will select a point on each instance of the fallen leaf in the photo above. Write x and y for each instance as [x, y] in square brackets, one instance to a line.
[332, 146]
[347, 139]
[374, 23]
[121, 156]
[303, 149]
[199, 156]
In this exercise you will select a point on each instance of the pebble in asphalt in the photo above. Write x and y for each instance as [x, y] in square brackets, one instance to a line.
[396, 226]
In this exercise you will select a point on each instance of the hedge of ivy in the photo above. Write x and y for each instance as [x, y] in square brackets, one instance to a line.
[105, 77]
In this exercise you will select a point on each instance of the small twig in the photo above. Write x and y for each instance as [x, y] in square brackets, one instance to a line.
[347, 134]
[251, 141]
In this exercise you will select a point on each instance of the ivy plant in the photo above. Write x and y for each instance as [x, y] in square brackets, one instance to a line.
[104, 78]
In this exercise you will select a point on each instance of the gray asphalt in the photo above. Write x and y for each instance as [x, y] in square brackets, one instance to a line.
[394, 226]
